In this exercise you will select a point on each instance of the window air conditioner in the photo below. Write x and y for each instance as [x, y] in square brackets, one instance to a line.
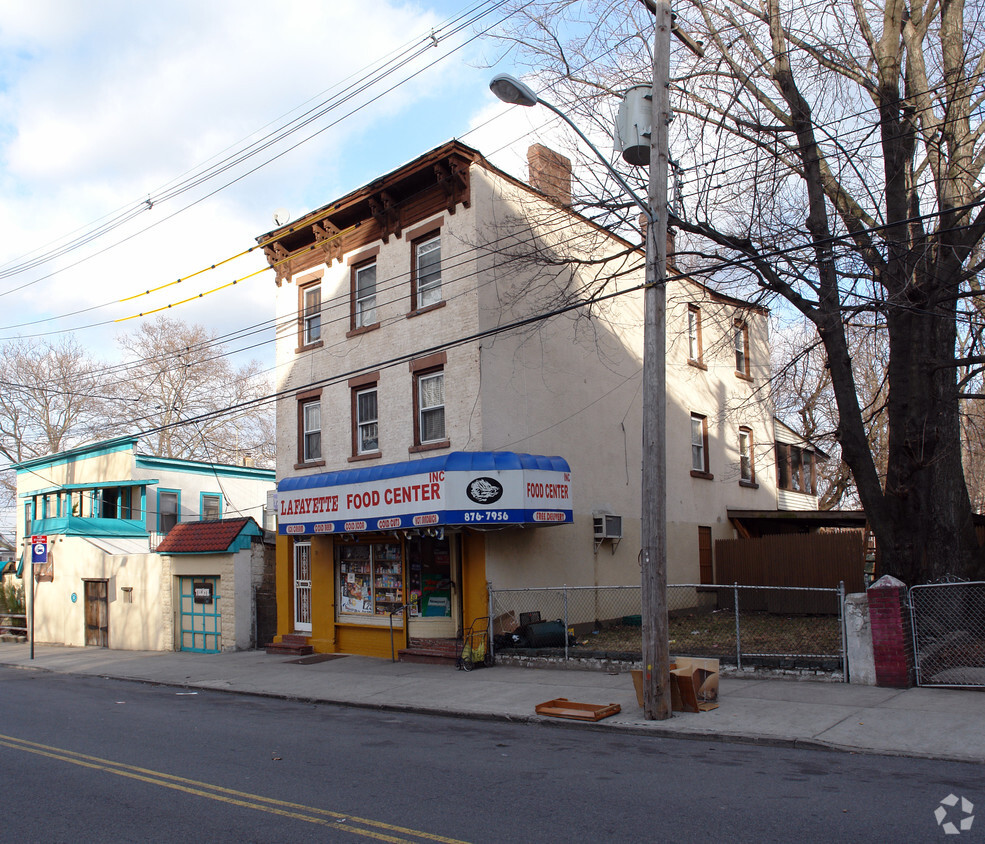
[607, 526]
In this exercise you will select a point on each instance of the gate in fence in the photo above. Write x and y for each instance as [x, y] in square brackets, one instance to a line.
[949, 634]
[781, 627]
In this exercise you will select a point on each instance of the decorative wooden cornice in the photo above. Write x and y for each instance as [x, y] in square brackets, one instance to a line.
[386, 211]
[330, 237]
[436, 181]
[453, 179]
[279, 259]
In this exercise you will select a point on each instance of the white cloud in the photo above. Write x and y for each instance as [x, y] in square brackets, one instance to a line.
[105, 103]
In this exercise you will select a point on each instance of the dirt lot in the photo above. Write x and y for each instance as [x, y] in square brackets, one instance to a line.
[714, 634]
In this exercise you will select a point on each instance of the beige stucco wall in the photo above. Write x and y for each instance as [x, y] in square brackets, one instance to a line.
[341, 358]
[132, 626]
[117, 465]
[567, 386]
[572, 386]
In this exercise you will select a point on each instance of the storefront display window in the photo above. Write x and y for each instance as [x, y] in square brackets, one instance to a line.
[370, 579]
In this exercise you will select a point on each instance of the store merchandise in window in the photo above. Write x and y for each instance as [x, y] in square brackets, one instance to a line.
[370, 579]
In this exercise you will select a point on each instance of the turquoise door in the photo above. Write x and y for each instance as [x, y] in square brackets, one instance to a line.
[200, 617]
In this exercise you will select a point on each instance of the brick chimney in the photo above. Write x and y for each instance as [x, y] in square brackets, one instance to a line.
[550, 173]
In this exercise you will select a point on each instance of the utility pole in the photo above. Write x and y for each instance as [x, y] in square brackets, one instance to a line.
[653, 493]
[653, 526]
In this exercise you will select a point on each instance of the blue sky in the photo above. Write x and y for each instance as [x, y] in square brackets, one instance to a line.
[106, 106]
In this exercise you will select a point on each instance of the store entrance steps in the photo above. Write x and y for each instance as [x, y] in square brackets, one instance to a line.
[431, 651]
[291, 644]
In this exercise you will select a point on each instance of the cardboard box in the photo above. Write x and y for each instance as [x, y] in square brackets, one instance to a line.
[505, 623]
[697, 683]
[693, 684]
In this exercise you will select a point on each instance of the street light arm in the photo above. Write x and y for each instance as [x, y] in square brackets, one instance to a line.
[643, 204]
[513, 91]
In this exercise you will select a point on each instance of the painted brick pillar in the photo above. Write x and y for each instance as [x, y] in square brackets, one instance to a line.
[892, 635]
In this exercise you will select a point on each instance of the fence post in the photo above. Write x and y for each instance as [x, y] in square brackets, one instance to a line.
[491, 644]
[738, 635]
[841, 625]
[565, 588]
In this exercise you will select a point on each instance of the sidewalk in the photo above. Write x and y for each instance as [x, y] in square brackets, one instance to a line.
[929, 723]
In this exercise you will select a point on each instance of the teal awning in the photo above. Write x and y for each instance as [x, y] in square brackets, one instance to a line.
[83, 526]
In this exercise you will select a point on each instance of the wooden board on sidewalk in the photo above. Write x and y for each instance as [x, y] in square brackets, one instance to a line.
[563, 708]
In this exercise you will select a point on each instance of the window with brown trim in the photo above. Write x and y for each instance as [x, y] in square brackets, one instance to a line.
[741, 348]
[796, 469]
[309, 429]
[365, 418]
[425, 271]
[747, 466]
[363, 312]
[309, 313]
[695, 353]
[699, 447]
[429, 402]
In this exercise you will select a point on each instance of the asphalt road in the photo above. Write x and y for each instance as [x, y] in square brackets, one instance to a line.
[88, 759]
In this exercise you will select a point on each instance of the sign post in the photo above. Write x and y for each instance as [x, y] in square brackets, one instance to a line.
[39, 557]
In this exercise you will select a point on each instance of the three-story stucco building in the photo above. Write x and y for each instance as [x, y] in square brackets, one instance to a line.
[459, 364]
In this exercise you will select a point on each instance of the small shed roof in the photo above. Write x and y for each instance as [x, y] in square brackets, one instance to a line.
[213, 537]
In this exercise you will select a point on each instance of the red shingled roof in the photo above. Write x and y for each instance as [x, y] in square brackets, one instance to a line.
[202, 537]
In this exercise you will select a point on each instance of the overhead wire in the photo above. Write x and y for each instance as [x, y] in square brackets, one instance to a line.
[374, 75]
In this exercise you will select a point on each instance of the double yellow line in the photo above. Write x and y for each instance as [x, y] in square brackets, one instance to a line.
[295, 811]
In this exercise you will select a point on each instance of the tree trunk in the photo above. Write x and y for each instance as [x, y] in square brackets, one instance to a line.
[925, 530]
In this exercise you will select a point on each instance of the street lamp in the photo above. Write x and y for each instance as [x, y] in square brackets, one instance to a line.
[653, 505]
[513, 91]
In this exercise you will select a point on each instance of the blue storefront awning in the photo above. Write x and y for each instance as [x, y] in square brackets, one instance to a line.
[475, 488]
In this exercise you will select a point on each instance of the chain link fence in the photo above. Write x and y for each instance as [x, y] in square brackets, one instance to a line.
[949, 634]
[769, 626]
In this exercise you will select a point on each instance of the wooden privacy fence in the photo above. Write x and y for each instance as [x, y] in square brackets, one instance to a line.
[804, 560]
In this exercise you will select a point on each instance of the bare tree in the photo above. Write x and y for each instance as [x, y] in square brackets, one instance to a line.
[804, 395]
[832, 154]
[52, 397]
[190, 400]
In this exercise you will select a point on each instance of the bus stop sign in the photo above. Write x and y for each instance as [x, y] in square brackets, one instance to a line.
[39, 550]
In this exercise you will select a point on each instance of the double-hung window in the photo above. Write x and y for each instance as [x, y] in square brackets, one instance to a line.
[310, 314]
[367, 421]
[211, 506]
[311, 431]
[699, 446]
[747, 469]
[167, 510]
[364, 295]
[427, 272]
[430, 430]
[431, 405]
[694, 334]
[741, 348]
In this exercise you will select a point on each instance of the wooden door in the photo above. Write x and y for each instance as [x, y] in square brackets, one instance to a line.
[705, 563]
[97, 613]
[200, 629]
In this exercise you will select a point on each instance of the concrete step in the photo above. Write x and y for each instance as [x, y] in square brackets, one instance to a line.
[431, 651]
[291, 644]
[425, 656]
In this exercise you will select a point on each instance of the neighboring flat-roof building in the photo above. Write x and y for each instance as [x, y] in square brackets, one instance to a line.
[107, 512]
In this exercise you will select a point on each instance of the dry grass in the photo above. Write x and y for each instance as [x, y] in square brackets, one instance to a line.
[713, 634]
